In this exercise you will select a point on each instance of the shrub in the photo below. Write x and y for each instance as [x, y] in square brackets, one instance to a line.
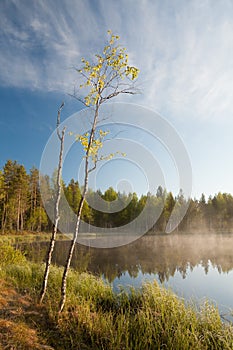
[10, 256]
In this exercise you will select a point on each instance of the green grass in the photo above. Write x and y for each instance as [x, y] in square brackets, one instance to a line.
[26, 237]
[97, 318]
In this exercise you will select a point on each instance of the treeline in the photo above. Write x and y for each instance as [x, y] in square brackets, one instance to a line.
[21, 205]
[20, 201]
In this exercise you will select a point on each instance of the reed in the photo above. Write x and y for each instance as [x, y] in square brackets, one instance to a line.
[97, 318]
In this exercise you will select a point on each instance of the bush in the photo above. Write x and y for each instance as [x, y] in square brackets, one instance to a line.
[10, 256]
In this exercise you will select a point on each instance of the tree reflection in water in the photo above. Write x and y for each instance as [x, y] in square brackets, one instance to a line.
[161, 255]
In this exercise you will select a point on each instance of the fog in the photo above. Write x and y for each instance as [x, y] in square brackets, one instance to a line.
[156, 254]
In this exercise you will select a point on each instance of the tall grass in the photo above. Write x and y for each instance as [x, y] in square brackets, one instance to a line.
[25, 237]
[97, 318]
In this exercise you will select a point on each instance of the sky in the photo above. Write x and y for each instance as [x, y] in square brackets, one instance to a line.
[184, 50]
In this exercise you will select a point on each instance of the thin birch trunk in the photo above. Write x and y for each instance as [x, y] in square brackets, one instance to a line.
[21, 220]
[40, 218]
[4, 214]
[56, 209]
[73, 242]
[18, 213]
[105, 80]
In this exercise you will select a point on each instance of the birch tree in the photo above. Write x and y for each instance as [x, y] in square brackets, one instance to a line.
[61, 137]
[109, 76]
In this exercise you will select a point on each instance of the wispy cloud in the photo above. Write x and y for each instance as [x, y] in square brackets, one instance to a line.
[183, 49]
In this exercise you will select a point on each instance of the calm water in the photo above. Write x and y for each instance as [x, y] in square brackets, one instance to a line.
[194, 266]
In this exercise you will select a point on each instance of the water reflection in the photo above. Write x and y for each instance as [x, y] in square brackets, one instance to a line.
[194, 266]
[163, 256]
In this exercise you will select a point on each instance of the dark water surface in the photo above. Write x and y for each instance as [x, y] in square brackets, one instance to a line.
[194, 266]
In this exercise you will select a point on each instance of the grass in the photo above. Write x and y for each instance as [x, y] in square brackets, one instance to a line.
[97, 318]
[28, 237]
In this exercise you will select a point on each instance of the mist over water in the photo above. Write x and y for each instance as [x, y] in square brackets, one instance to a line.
[195, 266]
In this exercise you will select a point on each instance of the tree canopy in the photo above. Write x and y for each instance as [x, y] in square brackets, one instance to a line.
[21, 206]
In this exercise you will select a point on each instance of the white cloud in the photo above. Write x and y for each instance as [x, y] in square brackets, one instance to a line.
[194, 59]
[183, 49]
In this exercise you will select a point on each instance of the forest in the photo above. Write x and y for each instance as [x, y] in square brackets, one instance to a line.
[21, 207]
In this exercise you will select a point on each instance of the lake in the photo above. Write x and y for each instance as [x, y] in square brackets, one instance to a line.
[195, 267]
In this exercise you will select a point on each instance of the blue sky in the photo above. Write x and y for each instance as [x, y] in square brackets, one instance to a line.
[184, 50]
